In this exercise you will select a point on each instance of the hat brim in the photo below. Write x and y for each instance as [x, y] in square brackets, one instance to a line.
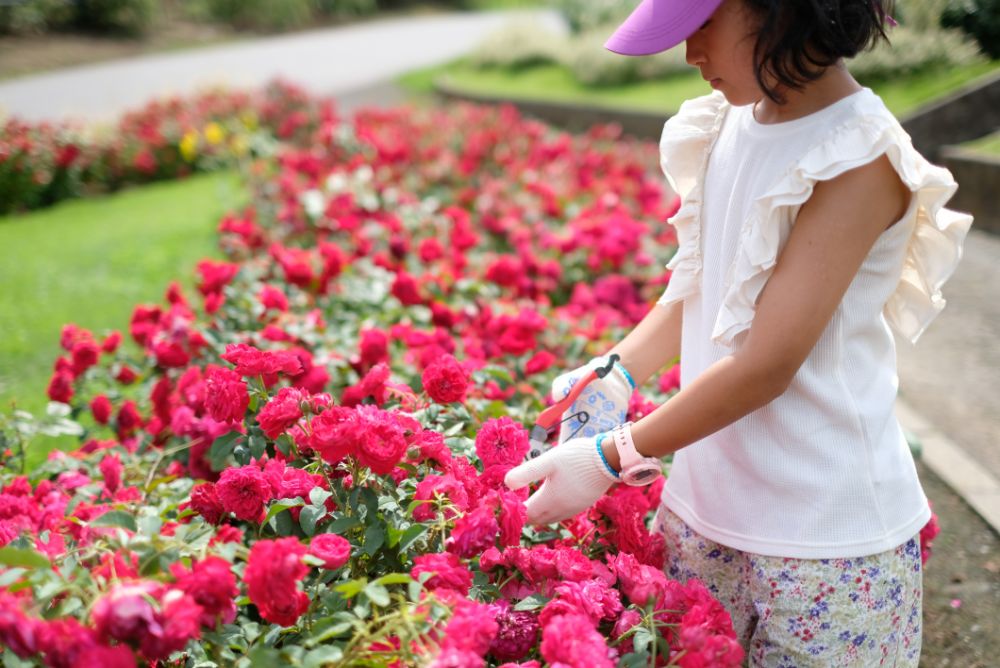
[658, 25]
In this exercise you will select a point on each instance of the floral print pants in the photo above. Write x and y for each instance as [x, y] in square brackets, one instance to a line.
[787, 613]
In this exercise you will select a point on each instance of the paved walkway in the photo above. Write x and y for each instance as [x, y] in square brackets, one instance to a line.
[952, 375]
[326, 62]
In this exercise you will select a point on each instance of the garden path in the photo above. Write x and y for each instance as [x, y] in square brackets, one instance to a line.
[330, 61]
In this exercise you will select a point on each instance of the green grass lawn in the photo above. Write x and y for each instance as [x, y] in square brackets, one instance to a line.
[554, 82]
[90, 262]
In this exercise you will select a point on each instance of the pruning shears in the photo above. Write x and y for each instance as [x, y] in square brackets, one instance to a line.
[549, 419]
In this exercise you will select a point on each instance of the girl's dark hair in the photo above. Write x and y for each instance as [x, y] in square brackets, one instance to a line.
[798, 39]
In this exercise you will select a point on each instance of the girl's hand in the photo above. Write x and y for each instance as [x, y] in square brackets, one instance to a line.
[575, 474]
[605, 400]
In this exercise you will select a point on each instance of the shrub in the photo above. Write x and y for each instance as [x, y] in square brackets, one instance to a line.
[262, 14]
[519, 44]
[128, 17]
[31, 17]
[594, 65]
[583, 15]
[978, 18]
[913, 51]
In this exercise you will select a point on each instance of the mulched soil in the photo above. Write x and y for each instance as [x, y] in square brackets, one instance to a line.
[961, 585]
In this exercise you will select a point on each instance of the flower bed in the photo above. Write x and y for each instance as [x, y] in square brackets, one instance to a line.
[43, 163]
[304, 465]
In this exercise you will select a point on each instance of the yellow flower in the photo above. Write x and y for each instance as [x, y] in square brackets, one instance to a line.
[239, 145]
[249, 119]
[214, 134]
[189, 146]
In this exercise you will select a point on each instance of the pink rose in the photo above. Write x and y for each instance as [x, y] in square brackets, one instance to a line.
[334, 550]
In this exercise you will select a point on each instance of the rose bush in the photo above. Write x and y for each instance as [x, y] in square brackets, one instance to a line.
[43, 163]
[305, 465]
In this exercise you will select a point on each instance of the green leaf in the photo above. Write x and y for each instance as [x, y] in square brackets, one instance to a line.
[343, 524]
[116, 518]
[394, 578]
[532, 602]
[374, 538]
[284, 444]
[221, 448]
[322, 656]
[284, 525]
[258, 444]
[351, 588]
[378, 594]
[411, 535]
[318, 496]
[150, 525]
[9, 577]
[282, 504]
[308, 518]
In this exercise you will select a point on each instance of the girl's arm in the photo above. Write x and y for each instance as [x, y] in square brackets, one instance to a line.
[832, 235]
[653, 342]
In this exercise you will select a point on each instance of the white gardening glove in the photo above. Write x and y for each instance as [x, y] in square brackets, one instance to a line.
[605, 400]
[575, 478]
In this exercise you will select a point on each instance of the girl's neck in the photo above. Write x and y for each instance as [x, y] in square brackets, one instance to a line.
[834, 84]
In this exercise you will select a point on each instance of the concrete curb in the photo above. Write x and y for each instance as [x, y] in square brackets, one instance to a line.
[949, 462]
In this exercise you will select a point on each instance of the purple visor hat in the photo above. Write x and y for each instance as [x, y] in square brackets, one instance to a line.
[658, 25]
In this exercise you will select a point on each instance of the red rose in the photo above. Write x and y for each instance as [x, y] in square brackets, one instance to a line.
[226, 399]
[128, 419]
[274, 569]
[205, 501]
[379, 439]
[501, 441]
[100, 407]
[473, 533]
[84, 354]
[61, 387]
[211, 583]
[243, 492]
[334, 550]
[374, 346]
[448, 572]
[282, 411]
[445, 380]
[405, 289]
[250, 361]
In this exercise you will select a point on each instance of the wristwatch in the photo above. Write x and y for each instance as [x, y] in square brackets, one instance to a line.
[636, 469]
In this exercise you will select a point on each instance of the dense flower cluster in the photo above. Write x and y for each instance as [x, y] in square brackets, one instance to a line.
[47, 162]
[306, 467]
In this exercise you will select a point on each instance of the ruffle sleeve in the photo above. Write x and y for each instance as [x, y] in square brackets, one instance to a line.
[685, 145]
[933, 249]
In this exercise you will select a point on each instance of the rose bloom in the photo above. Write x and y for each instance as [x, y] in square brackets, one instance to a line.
[448, 572]
[226, 399]
[379, 438]
[274, 569]
[243, 492]
[502, 441]
[473, 533]
[211, 583]
[517, 633]
[250, 361]
[282, 411]
[205, 502]
[334, 550]
[100, 407]
[445, 380]
[571, 640]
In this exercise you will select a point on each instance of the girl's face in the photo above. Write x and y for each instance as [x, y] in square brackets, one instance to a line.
[723, 50]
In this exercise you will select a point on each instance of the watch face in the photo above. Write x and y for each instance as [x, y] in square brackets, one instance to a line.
[641, 474]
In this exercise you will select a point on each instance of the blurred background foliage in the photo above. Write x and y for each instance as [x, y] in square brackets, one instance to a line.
[932, 32]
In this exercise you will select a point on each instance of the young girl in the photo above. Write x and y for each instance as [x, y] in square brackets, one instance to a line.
[809, 231]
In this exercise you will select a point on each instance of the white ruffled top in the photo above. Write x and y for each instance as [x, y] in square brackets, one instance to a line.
[933, 252]
[824, 470]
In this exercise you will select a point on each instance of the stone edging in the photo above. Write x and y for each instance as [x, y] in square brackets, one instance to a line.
[950, 463]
